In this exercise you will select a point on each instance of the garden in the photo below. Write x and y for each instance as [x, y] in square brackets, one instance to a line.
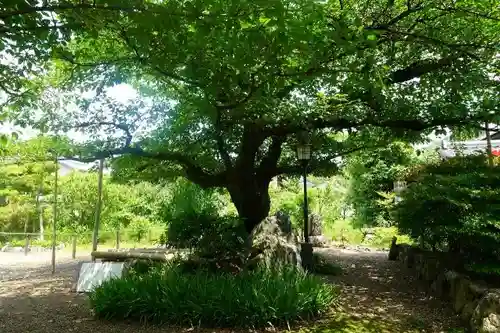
[242, 135]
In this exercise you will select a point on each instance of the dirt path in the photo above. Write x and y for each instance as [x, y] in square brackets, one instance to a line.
[377, 297]
[381, 296]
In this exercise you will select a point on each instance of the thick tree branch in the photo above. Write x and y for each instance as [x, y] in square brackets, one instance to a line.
[193, 172]
[397, 18]
[453, 46]
[325, 162]
[418, 69]
[284, 128]
[269, 163]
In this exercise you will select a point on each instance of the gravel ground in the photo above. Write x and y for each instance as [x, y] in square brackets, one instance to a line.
[377, 294]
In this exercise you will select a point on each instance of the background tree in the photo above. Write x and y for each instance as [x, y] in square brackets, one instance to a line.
[371, 175]
[231, 84]
[26, 175]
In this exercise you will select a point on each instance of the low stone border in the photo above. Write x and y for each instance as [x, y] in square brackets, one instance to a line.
[477, 304]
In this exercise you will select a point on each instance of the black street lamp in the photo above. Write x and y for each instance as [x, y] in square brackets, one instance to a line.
[304, 156]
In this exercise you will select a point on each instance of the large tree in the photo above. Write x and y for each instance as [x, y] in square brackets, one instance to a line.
[231, 84]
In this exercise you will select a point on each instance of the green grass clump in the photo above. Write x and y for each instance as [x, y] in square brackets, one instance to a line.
[251, 299]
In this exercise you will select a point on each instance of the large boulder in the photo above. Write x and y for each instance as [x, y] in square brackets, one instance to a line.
[462, 294]
[318, 241]
[490, 324]
[284, 222]
[271, 246]
[486, 316]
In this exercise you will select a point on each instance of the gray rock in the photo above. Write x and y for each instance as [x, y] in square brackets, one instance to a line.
[467, 311]
[271, 246]
[284, 222]
[488, 305]
[462, 294]
[318, 241]
[490, 324]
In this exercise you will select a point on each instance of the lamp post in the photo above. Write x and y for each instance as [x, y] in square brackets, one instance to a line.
[306, 251]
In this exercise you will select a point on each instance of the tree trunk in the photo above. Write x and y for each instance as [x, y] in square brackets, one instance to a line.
[252, 202]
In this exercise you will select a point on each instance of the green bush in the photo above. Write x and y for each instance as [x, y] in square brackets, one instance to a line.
[139, 226]
[185, 230]
[190, 211]
[344, 232]
[249, 299]
[382, 238]
[454, 205]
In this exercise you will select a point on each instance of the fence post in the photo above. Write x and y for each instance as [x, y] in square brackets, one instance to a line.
[73, 253]
[118, 239]
[98, 208]
[27, 245]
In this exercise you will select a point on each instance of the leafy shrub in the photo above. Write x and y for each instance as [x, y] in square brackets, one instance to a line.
[454, 205]
[382, 238]
[139, 226]
[249, 299]
[185, 230]
[224, 241]
[344, 232]
[190, 211]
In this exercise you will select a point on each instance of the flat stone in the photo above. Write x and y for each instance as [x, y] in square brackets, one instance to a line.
[93, 274]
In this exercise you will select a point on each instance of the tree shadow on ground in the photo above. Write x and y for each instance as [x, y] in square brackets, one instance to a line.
[346, 323]
[377, 297]
[382, 296]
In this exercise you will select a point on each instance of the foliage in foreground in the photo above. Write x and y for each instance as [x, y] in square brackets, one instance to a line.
[225, 88]
[250, 299]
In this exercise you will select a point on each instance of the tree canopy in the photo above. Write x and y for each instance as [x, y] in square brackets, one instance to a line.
[225, 88]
